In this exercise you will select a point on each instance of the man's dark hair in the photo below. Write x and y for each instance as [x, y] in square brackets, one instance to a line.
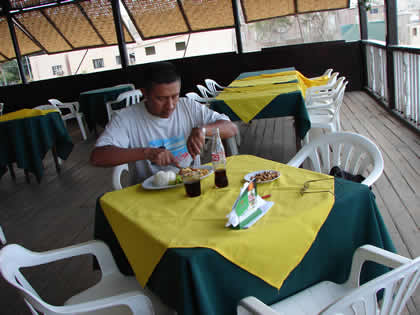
[160, 72]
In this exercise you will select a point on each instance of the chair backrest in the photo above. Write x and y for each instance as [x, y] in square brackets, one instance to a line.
[396, 287]
[2, 236]
[213, 86]
[12, 258]
[130, 97]
[205, 92]
[194, 96]
[73, 107]
[47, 107]
[351, 152]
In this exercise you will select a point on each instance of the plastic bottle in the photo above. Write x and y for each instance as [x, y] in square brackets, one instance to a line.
[218, 159]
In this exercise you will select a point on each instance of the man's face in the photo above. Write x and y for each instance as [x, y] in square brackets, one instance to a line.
[161, 99]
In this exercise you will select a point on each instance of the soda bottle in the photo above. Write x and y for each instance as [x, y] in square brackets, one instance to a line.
[218, 159]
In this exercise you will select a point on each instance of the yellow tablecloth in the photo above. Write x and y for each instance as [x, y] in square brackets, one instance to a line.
[25, 113]
[146, 223]
[248, 96]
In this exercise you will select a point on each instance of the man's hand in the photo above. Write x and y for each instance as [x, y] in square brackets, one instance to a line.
[195, 141]
[160, 156]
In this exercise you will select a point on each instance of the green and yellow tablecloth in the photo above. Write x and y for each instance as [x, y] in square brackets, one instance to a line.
[153, 221]
[92, 103]
[202, 281]
[27, 135]
[267, 94]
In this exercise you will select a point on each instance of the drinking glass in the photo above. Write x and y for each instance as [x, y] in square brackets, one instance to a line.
[192, 183]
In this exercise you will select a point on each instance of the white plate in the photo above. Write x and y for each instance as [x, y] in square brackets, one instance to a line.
[248, 176]
[148, 183]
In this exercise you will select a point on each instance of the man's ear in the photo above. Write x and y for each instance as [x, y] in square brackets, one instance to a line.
[143, 91]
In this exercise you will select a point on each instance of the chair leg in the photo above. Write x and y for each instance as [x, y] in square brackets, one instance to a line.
[82, 128]
[28, 180]
[12, 171]
[57, 163]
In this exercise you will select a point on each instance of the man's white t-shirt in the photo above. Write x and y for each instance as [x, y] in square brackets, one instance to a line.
[135, 127]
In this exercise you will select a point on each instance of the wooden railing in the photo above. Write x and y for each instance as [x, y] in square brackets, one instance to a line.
[377, 69]
[406, 77]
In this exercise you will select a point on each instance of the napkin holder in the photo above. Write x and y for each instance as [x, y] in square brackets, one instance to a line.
[248, 207]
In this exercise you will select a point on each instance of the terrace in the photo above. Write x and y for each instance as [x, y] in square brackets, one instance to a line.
[382, 103]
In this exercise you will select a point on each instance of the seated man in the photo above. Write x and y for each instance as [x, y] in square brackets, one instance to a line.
[160, 131]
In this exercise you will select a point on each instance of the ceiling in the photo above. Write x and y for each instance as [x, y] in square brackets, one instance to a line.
[53, 26]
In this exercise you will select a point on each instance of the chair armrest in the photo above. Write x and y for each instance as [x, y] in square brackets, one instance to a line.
[138, 303]
[97, 248]
[372, 253]
[116, 175]
[252, 306]
[73, 106]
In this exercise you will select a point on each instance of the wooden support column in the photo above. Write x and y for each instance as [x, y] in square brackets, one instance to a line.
[391, 40]
[15, 46]
[120, 34]
[363, 23]
[237, 26]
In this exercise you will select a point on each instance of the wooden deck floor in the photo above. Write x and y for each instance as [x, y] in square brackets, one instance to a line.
[60, 211]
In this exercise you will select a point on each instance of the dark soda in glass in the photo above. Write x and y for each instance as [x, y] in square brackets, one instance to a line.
[220, 178]
[193, 188]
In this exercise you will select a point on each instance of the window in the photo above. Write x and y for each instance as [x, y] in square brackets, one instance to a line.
[98, 63]
[180, 46]
[150, 50]
[118, 60]
[57, 70]
[414, 31]
[132, 57]
[374, 11]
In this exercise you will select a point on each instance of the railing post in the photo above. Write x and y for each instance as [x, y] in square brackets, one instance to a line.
[391, 39]
[364, 36]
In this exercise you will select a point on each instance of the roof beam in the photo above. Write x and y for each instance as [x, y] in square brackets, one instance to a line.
[181, 8]
[56, 28]
[91, 23]
[120, 34]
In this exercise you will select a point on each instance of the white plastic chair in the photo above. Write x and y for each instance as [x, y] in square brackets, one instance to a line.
[73, 107]
[130, 98]
[2, 236]
[206, 93]
[113, 294]
[213, 86]
[327, 115]
[327, 73]
[351, 152]
[323, 93]
[329, 298]
[194, 96]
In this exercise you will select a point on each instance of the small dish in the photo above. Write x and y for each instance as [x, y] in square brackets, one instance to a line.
[148, 182]
[273, 173]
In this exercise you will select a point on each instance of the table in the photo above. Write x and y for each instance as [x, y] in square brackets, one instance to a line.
[285, 104]
[92, 104]
[27, 140]
[201, 281]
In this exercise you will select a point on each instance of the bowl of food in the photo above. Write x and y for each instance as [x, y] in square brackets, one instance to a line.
[263, 176]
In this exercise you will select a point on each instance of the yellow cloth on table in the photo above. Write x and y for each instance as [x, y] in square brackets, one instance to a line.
[248, 96]
[147, 222]
[26, 113]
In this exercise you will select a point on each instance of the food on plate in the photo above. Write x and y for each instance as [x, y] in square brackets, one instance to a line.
[265, 176]
[188, 170]
[163, 178]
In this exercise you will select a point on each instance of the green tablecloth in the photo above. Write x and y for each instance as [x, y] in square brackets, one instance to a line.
[92, 104]
[26, 141]
[200, 281]
[288, 104]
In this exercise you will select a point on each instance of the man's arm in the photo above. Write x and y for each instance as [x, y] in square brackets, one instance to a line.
[112, 156]
[196, 139]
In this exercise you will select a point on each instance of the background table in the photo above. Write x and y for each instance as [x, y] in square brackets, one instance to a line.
[92, 104]
[287, 104]
[200, 281]
[26, 141]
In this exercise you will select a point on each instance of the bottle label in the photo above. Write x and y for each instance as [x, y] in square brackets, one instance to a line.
[218, 156]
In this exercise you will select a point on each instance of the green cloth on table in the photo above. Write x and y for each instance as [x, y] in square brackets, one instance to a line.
[200, 281]
[92, 104]
[26, 142]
